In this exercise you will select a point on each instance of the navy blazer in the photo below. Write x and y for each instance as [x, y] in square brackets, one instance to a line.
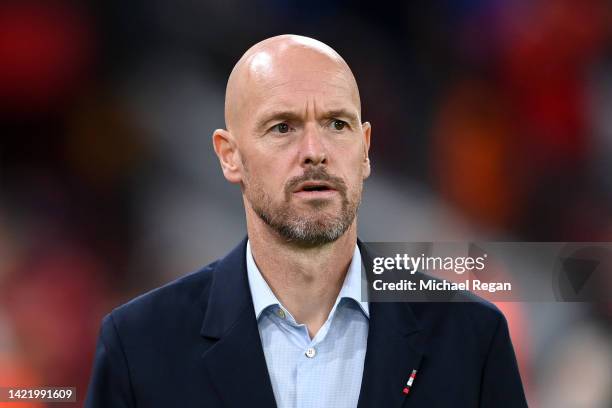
[195, 343]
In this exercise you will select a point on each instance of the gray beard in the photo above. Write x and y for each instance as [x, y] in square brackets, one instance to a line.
[311, 230]
[307, 231]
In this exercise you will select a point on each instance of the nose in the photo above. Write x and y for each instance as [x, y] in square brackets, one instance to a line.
[313, 151]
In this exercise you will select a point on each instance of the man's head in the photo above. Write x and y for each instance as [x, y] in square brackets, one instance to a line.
[294, 139]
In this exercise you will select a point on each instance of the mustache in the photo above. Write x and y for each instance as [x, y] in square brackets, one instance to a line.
[316, 174]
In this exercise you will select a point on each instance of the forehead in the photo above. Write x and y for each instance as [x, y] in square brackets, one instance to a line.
[297, 79]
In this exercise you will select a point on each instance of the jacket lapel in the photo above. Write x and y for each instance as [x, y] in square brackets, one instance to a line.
[394, 351]
[236, 361]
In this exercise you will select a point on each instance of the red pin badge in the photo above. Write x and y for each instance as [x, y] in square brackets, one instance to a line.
[409, 383]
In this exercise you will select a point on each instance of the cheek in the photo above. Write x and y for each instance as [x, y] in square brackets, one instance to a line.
[271, 165]
[352, 163]
[266, 177]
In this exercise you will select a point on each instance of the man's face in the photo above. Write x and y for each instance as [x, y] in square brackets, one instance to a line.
[302, 146]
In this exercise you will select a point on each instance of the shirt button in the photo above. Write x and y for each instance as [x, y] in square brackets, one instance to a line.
[311, 352]
[281, 313]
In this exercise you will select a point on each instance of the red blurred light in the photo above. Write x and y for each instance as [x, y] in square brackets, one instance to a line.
[44, 51]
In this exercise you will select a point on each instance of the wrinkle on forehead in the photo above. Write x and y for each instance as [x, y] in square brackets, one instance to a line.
[267, 60]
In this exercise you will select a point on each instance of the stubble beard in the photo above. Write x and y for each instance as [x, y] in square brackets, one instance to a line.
[313, 227]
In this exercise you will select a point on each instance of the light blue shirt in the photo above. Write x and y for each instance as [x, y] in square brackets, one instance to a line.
[325, 371]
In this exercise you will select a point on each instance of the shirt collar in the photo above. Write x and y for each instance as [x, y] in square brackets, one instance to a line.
[263, 296]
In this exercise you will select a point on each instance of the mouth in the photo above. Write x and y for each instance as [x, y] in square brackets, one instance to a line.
[314, 189]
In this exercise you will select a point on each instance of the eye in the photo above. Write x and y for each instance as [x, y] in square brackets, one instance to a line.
[338, 124]
[281, 128]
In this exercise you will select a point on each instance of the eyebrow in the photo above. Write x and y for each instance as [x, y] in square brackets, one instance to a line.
[284, 115]
[276, 116]
[345, 114]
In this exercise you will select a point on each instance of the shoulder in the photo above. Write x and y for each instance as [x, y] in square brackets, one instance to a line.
[180, 300]
[468, 320]
[462, 305]
[481, 316]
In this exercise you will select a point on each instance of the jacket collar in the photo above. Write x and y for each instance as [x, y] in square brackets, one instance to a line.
[395, 348]
[229, 296]
[235, 361]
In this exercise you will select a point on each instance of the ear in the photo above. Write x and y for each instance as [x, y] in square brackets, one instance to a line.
[367, 131]
[227, 152]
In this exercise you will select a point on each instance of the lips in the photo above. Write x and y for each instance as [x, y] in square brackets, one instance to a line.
[314, 186]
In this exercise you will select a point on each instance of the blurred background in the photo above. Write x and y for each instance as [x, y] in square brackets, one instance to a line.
[492, 120]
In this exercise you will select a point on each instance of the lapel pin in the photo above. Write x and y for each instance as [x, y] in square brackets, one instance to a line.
[406, 389]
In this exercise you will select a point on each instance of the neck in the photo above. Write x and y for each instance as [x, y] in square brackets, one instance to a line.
[306, 280]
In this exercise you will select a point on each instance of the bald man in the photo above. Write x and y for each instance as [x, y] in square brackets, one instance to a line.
[280, 320]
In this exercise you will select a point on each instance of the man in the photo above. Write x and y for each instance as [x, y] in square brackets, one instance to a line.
[280, 321]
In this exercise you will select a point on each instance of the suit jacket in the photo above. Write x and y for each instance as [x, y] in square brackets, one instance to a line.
[195, 343]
